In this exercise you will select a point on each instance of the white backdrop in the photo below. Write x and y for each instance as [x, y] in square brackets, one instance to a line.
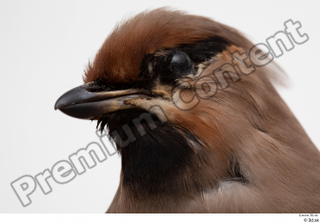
[44, 48]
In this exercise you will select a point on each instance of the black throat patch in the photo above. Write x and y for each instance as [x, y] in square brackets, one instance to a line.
[155, 155]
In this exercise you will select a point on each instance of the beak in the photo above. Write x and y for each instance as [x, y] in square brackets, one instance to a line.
[90, 101]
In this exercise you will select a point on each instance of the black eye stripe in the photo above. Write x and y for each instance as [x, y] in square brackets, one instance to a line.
[204, 50]
[198, 52]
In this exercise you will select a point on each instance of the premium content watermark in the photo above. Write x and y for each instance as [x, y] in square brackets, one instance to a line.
[64, 171]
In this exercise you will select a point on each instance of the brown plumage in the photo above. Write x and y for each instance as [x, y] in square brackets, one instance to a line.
[121, 55]
[241, 150]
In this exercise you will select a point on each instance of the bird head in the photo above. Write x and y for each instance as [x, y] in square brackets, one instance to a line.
[160, 59]
[173, 93]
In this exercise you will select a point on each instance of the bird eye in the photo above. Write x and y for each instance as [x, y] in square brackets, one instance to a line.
[180, 63]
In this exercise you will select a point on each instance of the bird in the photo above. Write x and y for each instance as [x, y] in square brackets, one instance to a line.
[191, 139]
